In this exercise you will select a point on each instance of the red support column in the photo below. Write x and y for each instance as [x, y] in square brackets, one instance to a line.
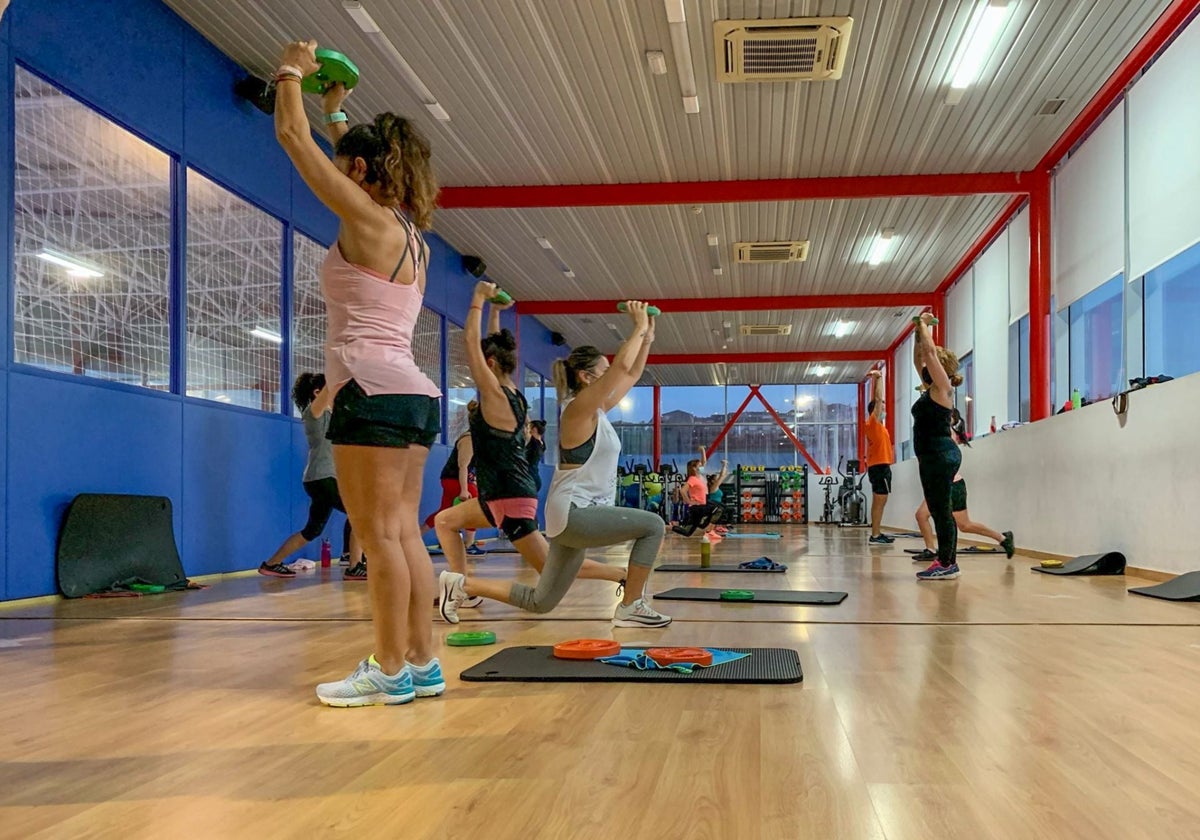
[657, 427]
[1039, 298]
[754, 392]
[733, 418]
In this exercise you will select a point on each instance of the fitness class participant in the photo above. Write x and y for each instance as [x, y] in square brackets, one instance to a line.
[320, 482]
[580, 513]
[958, 503]
[695, 495]
[535, 450]
[938, 457]
[880, 456]
[458, 484]
[507, 490]
[385, 411]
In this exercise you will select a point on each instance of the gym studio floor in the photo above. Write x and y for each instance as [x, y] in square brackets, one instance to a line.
[1006, 704]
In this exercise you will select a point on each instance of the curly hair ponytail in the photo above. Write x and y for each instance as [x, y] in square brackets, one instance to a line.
[397, 157]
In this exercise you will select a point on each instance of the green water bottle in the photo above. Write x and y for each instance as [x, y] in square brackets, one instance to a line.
[705, 552]
[1076, 398]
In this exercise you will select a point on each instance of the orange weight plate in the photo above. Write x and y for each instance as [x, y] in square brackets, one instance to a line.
[680, 655]
[586, 649]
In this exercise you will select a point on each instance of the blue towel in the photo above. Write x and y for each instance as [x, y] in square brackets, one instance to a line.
[769, 535]
[637, 658]
[762, 563]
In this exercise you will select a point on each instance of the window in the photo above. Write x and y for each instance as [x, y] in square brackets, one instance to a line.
[826, 421]
[427, 344]
[1096, 324]
[234, 263]
[92, 242]
[460, 388]
[1171, 296]
[967, 409]
[533, 394]
[1018, 365]
[692, 416]
[308, 308]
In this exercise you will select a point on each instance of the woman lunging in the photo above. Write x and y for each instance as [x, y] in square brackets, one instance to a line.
[580, 513]
[507, 486]
[385, 412]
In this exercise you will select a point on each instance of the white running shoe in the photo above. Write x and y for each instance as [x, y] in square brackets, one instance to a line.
[639, 614]
[369, 686]
[471, 603]
[453, 595]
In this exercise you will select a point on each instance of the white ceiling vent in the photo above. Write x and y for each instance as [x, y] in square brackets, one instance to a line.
[793, 49]
[770, 252]
[766, 329]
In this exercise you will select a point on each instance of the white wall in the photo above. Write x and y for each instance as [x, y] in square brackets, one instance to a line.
[1079, 483]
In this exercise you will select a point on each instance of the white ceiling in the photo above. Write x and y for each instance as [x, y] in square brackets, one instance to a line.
[553, 92]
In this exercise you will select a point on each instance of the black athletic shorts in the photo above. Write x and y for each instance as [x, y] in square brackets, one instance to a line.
[512, 527]
[324, 500]
[880, 476]
[393, 420]
[958, 495]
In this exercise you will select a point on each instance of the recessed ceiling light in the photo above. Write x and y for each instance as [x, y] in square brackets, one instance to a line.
[881, 246]
[983, 31]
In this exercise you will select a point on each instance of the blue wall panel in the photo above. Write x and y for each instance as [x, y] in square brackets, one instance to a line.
[238, 470]
[4, 485]
[536, 350]
[89, 48]
[67, 438]
[227, 137]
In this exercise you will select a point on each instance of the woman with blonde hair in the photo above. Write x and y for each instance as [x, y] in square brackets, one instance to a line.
[938, 457]
[385, 410]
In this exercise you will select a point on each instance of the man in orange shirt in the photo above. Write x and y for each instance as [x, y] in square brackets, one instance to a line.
[880, 457]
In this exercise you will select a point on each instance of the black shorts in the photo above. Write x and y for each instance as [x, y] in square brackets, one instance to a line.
[392, 420]
[880, 476]
[324, 500]
[958, 495]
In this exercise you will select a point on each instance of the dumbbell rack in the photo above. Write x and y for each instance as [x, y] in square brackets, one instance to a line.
[771, 495]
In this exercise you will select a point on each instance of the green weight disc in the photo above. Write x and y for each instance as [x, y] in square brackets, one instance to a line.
[737, 595]
[501, 297]
[335, 67]
[466, 639]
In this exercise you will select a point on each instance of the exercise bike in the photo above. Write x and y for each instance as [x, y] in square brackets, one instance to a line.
[851, 498]
[829, 507]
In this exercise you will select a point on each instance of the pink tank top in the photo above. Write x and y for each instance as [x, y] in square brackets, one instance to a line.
[371, 321]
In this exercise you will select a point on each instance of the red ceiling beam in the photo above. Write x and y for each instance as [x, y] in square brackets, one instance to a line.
[765, 358]
[723, 192]
[1169, 23]
[731, 304]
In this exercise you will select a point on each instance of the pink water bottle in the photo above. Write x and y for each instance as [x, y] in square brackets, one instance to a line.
[326, 554]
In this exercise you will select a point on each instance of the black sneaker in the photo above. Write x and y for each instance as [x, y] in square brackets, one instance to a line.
[278, 570]
[882, 539]
[1010, 547]
[356, 572]
[344, 560]
[925, 554]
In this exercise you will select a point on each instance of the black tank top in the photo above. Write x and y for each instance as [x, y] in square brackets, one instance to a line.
[502, 468]
[931, 425]
[451, 468]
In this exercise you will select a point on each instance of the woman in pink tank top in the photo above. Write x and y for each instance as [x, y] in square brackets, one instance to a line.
[385, 413]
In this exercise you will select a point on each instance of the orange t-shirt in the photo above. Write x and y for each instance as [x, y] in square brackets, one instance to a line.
[697, 490]
[879, 443]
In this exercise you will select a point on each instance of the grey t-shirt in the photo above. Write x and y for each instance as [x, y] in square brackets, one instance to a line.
[320, 450]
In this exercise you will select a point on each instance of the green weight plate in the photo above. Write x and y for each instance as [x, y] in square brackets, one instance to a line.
[466, 639]
[335, 67]
[737, 595]
[652, 311]
[501, 297]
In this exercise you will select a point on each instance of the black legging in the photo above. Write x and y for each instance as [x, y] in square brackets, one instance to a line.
[938, 467]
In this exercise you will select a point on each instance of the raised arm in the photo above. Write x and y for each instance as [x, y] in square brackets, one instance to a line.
[623, 373]
[336, 191]
[877, 392]
[331, 103]
[492, 401]
[926, 358]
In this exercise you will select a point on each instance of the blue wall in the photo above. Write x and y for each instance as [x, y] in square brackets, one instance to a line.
[232, 474]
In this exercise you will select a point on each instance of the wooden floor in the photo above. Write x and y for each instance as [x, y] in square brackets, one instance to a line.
[1006, 704]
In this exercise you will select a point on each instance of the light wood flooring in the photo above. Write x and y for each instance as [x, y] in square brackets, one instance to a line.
[1007, 704]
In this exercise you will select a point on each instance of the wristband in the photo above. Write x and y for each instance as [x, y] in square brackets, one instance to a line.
[335, 117]
[289, 70]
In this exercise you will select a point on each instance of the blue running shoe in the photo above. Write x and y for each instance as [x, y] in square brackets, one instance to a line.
[939, 572]
[475, 551]
[427, 679]
[369, 686]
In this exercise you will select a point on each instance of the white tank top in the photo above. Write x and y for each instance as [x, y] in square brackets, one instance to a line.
[591, 485]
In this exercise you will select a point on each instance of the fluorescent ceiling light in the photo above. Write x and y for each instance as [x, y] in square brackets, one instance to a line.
[880, 248]
[267, 335]
[544, 243]
[74, 267]
[626, 404]
[978, 42]
[360, 16]
[841, 329]
[821, 370]
[677, 23]
[368, 25]
[569, 274]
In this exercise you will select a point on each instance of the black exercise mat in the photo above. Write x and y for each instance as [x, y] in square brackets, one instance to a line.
[106, 539]
[1185, 587]
[1109, 563]
[761, 596]
[913, 550]
[688, 567]
[912, 535]
[537, 664]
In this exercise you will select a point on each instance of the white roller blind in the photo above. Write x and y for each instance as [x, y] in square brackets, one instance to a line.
[991, 334]
[1089, 213]
[1164, 156]
[905, 395]
[1018, 266]
[960, 310]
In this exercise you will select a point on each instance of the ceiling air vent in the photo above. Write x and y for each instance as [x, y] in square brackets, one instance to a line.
[766, 329]
[803, 49]
[1050, 107]
[770, 252]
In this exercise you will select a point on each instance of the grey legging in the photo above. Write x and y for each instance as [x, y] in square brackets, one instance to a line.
[589, 527]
